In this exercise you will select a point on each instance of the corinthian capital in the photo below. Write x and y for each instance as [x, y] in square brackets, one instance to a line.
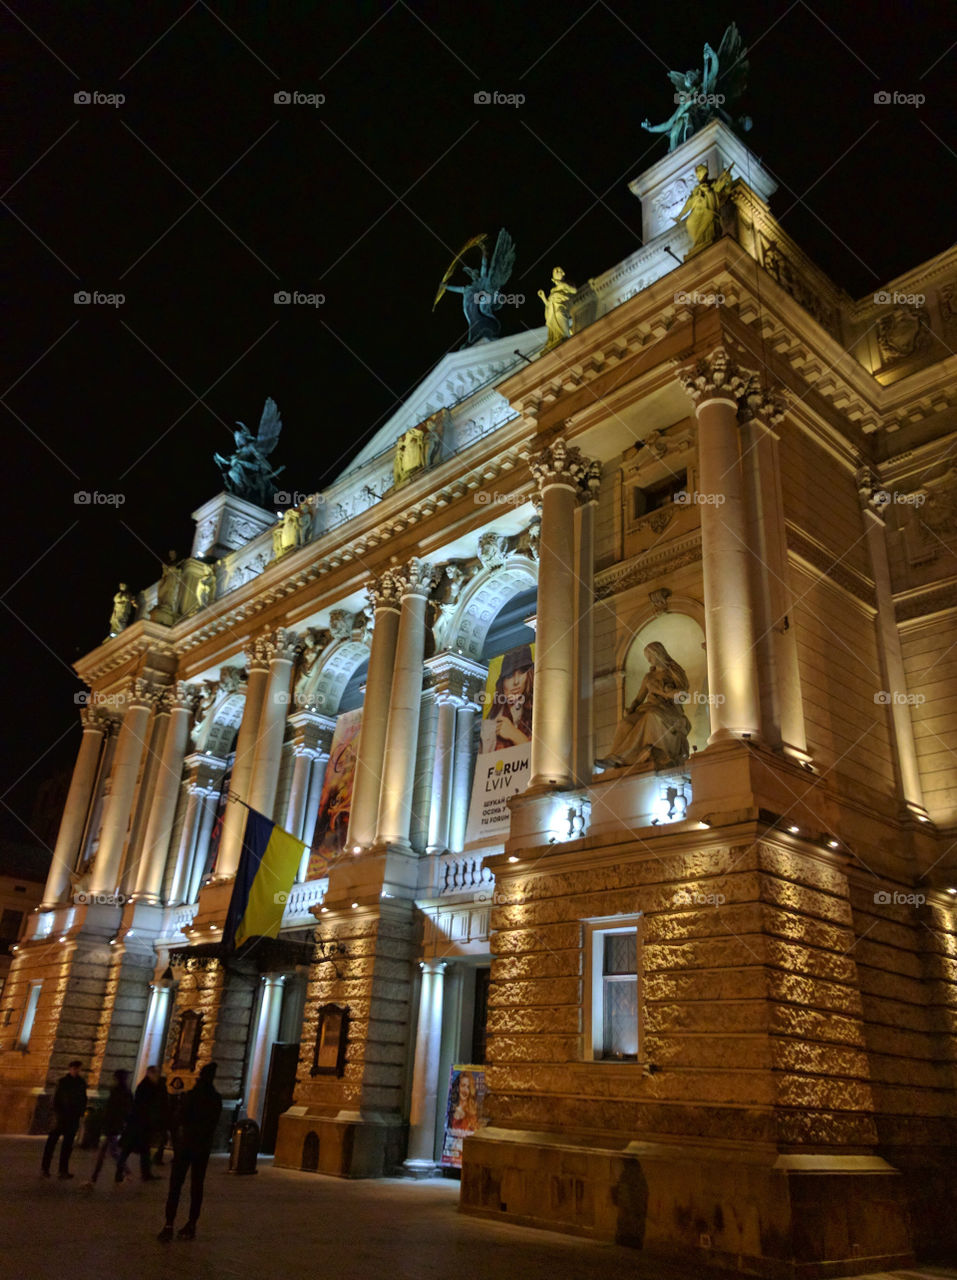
[141, 693]
[384, 592]
[281, 644]
[182, 697]
[715, 376]
[559, 463]
[758, 404]
[415, 578]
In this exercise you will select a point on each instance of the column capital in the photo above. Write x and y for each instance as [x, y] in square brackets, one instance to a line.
[716, 376]
[93, 721]
[760, 405]
[141, 694]
[415, 578]
[181, 697]
[384, 592]
[313, 732]
[590, 485]
[437, 967]
[457, 679]
[559, 464]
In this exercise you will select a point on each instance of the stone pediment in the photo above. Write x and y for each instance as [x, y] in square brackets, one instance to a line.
[457, 375]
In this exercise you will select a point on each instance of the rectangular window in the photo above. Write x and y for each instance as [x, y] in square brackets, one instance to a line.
[614, 963]
[10, 922]
[29, 1014]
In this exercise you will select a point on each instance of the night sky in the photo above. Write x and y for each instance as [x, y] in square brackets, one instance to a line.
[199, 197]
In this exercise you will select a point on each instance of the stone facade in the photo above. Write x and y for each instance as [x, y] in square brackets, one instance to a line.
[701, 466]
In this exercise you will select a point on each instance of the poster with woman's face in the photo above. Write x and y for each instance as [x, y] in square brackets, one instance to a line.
[332, 821]
[502, 768]
[465, 1111]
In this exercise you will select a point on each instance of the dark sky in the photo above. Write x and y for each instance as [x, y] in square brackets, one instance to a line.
[199, 197]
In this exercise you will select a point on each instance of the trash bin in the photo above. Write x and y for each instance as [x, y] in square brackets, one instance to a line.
[245, 1147]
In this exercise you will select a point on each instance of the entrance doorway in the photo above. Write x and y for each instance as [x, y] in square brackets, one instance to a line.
[280, 1091]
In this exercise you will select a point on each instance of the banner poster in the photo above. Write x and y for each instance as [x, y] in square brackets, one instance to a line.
[217, 831]
[502, 768]
[332, 821]
[465, 1111]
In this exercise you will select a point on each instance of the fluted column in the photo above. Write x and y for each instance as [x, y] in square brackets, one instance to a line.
[895, 694]
[585, 632]
[423, 1112]
[159, 828]
[234, 820]
[455, 678]
[716, 385]
[78, 801]
[405, 705]
[272, 724]
[779, 676]
[559, 470]
[311, 752]
[126, 766]
[265, 1035]
[463, 763]
[384, 595]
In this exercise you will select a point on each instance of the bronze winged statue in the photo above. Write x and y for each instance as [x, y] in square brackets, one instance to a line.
[701, 96]
[246, 473]
[482, 296]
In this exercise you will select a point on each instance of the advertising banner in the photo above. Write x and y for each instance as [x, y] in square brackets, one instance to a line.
[502, 768]
[465, 1111]
[332, 820]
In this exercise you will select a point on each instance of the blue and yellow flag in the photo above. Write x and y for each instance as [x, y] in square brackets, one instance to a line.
[267, 871]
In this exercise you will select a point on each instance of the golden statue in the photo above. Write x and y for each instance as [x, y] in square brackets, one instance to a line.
[558, 316]
[702, 208]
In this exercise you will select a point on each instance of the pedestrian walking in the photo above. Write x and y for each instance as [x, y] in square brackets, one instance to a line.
[116, 1113]
[139, 1126]
[69, 1104]
[192, 1142]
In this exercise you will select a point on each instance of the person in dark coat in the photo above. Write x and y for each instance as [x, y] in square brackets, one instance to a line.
[69, 1104]
[119, 1104]
[139, 1127]
[193, 1136]
[160, 1135]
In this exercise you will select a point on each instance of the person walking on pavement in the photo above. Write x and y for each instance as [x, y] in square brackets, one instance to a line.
[119, 1104]
[192, 1142]
[69, 1104]
[136, 1135]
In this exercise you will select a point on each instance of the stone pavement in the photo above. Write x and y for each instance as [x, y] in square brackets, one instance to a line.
[281, 1222]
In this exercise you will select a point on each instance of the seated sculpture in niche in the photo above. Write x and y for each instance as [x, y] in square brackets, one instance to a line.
[654, 730]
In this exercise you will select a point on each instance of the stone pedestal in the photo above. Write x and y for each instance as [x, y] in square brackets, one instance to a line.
[226, 523]
[664, 187]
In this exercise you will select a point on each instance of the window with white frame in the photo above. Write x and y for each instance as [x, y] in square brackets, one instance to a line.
[29, 1013]
[613, 1013]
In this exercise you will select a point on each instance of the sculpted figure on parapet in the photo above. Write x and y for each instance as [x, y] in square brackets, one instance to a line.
[122, 615]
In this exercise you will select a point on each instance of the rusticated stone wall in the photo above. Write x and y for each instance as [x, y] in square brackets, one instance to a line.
[225, 999]
[752, 999]
[372, 978]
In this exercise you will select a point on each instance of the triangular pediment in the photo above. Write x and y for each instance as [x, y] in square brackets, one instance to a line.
[457, 376]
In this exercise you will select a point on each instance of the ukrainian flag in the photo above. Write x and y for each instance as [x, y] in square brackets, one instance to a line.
[267, 871]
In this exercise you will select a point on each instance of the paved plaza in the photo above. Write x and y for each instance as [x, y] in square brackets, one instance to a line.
[281, 1222]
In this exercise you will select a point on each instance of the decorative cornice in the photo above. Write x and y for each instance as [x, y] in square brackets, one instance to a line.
[830, 566]
[651, 565]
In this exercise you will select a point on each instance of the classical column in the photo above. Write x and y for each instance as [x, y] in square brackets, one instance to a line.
[313, 734]
[207, 804]
[157, 1015]
[272, 724]
[384, 595]
[159, 828]
[559, 470]
[78, 801]
[585, 628]
[779, 680]
[264, 1036]
[126, 766]
[234, 820]
[462, 766]
[895, 694]
[455, 679]
[405, 704]
[716, 384]
[423, 1112]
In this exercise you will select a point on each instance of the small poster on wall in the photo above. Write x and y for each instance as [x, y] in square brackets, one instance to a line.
[332, 821]
[465, 1111]
[502, 768]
